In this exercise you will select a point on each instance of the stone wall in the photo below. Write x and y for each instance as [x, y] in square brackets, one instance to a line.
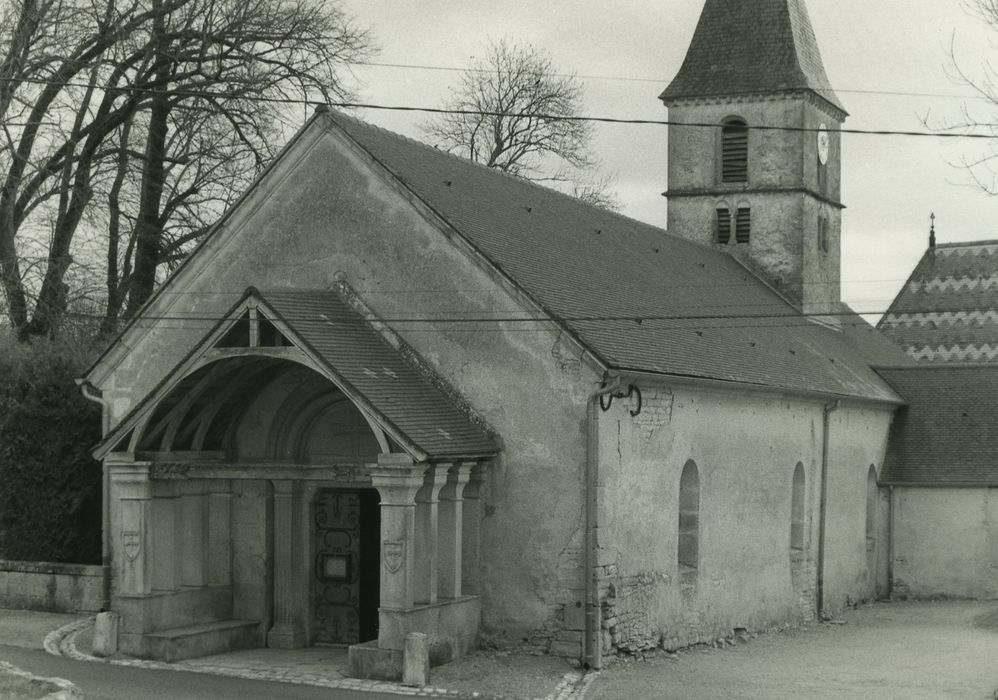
[66, 588]
[945, 542]
[746, 446]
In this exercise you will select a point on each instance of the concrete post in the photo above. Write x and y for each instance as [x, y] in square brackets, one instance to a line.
[397, 479]
[416, 660]
[105, 639]
[471, 519]
[426, 531]
[288, 631]
[451, 528]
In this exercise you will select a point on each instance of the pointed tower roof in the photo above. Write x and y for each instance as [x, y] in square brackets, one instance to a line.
[743, 47]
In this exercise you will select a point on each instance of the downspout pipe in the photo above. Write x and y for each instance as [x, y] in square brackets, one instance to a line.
[91, 393]
[592, 651]
[827, 412]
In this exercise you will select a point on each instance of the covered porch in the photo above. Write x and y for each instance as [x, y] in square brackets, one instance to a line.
[301, 479]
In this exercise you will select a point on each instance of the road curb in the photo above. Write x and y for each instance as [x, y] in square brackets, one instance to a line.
[62, 642]
[66, 689]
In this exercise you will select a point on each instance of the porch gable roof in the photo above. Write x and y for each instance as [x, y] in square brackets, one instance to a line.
[386, 380]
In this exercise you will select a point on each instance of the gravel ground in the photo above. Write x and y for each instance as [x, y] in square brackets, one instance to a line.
[500, 674]
[888, 650]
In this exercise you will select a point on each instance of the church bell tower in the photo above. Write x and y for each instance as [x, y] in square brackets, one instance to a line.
[762, 180]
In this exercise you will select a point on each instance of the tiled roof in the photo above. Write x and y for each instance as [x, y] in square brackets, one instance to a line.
[947, 311]
[743, 47]
[639, 298]
[391, 379]
[945, 435]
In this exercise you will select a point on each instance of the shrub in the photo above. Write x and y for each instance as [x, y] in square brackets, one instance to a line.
[50, 486]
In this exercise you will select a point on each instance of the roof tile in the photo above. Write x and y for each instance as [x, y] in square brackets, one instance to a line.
[745, 47]
[638, 297]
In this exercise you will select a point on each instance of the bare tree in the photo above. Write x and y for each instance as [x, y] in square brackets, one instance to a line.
[130, 114]
[979, 117]
[513, 111]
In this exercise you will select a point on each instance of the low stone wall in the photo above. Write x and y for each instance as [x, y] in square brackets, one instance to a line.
[68, 588]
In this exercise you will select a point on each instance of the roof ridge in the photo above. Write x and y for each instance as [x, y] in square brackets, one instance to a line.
[968, 244]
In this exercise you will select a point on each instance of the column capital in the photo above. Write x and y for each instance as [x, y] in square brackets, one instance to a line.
[433, 480]
[457, 477]
[397, 480]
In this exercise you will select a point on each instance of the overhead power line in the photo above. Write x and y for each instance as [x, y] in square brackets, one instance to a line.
[660, 81]
[783, 317]
[948, 134]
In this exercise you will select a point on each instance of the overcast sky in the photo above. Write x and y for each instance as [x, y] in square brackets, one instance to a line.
[870, 47]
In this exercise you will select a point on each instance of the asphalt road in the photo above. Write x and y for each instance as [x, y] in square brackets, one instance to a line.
[111, 682]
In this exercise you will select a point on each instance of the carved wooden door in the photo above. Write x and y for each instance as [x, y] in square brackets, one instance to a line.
[345, 594]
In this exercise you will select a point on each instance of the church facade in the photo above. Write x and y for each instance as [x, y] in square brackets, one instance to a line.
[394, 391]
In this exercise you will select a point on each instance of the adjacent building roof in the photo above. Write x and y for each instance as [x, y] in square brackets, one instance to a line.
[947, 311]
[639, 298]
[945, 435]
[743, 47]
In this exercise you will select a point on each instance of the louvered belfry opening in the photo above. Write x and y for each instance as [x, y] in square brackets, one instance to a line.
[743, 225]
[723, 225]
[734, 151]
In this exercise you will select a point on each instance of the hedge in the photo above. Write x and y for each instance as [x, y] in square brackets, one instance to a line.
[50, 486]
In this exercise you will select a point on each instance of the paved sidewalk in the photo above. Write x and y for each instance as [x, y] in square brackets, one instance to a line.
[481, 674]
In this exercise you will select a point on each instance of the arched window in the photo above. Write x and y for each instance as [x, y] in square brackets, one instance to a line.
[871, 508]
[689, 519]
[734, 150]
[797, 510]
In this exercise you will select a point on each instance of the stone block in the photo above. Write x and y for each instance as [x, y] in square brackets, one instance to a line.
[105, 634]
[575, 615]
[369, 661]
[416, 660]
[571, 650]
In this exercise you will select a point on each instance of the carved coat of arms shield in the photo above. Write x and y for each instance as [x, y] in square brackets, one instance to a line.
[131, 542]
[394, 555]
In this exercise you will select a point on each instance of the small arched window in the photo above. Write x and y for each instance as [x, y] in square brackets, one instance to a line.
[734, 150]
[689, 519]
[797, 510]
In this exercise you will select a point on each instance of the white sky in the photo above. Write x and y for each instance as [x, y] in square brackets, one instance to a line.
[890, 183]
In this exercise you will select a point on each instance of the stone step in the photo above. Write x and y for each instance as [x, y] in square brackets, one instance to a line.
[201, 640]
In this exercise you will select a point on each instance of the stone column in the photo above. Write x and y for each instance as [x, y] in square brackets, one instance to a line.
[288, 631]
[451, 528]
[164, 535]
[131, 516]
[426, 530]
[471, 519]
[397, 479]
[193, 531]
[220, 533]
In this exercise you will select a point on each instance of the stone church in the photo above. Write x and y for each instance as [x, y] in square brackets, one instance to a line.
[394, 391]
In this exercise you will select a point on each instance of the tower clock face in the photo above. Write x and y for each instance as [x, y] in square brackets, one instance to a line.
[823, 144]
